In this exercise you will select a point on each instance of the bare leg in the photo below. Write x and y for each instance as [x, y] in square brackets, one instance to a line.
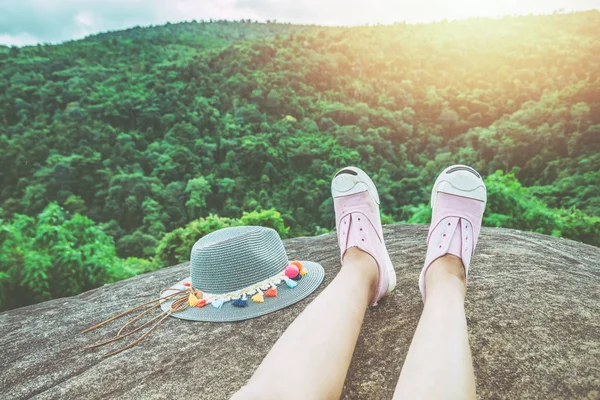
[310, 360]
[438, 364]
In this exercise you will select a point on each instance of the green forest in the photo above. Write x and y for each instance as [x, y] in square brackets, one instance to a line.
[119, 151]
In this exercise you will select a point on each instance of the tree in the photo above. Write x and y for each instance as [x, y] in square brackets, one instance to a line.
[579, 112]
[197, 189]
[117, 125]
[55, 255]
[274, 101]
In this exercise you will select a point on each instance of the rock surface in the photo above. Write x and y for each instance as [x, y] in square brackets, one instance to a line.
[533, 311]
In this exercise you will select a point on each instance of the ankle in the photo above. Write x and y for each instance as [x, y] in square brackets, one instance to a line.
[363, 265]
[447, 272]
[449, 265]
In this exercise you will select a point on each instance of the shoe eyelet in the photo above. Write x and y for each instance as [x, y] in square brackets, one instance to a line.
[440, 246]
[359, 218]
[444, 235]
[363, 239]
[361, 229]
[449, 223]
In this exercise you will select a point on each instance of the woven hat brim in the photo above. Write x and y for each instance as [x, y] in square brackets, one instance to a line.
[229, 313]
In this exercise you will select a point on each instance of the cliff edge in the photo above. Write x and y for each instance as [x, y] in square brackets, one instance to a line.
[533, 310]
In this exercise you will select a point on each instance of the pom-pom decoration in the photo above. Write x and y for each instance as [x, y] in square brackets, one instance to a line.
[257, 293]
[292, 271]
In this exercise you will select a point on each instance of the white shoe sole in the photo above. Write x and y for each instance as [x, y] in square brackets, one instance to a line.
[357, 181]
[460, 180]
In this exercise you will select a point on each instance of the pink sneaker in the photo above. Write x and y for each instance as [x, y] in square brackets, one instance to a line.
[458, 200]
[358, 223]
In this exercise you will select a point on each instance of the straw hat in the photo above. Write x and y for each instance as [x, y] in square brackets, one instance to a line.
[240, 273]
[236, 274]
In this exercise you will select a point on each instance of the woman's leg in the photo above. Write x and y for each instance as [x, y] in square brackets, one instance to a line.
[310, 360]
[438, 364]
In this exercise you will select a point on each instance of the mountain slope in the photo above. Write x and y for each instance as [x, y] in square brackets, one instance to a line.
[147, 129]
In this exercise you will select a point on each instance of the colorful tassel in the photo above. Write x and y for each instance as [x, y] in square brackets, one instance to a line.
[303, 271]
[298, 277]
[201, 303]
[271, 292]
[192, 300]
[217, 303]
[258, 297]
[198, 293]
[291, 283]
[188, 284]
[240, 302]
[297, 264]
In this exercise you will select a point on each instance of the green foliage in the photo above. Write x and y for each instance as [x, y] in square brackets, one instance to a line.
[208, 123]
[268, 218]
[510, 205]
[197, 190]
[148, 129]
[55, 255]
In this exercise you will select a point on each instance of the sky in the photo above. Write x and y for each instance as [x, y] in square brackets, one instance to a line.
[26, 22]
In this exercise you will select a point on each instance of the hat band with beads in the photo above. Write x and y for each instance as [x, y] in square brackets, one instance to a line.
[256, 292]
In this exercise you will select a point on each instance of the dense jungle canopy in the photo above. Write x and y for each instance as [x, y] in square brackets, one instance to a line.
[118, 151]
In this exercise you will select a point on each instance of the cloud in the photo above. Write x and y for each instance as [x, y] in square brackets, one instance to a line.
[25, 22]
[215, 9]
[358, 12]
[22, 39]
[53, 21]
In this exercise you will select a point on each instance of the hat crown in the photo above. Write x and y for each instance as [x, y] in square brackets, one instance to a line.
[233, 258]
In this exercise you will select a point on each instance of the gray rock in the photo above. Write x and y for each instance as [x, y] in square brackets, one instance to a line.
[533, 310]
